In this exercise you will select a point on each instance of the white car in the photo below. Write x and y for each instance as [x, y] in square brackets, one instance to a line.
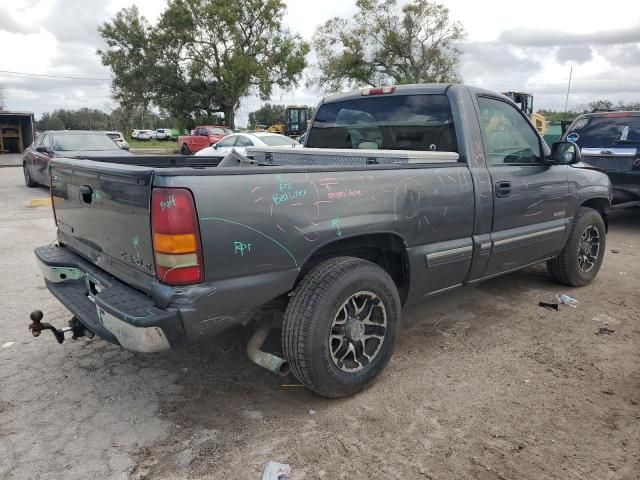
[145, 135]
[163, 134]
[119, 140]
[240, 141]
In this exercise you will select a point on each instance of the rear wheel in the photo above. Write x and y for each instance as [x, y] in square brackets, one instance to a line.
[27, 177]
[340, 326]
[579, 262]
[184, 150]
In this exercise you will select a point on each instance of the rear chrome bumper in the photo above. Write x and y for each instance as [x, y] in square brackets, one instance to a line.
[107, 307]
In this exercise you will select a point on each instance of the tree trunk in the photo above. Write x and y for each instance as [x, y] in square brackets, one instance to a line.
[229, 116]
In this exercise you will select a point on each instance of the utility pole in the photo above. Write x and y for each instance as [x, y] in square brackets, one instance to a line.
[3, 100]
[566, 103]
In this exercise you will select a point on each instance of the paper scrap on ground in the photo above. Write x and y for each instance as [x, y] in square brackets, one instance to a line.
[276, 471]
[7, 345]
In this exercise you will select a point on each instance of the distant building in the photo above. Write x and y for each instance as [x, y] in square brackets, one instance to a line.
[16, 131]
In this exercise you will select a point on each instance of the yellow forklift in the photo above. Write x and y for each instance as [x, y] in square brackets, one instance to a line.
[525, 103]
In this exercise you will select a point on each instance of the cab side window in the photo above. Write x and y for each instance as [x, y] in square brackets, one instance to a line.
[510, 139]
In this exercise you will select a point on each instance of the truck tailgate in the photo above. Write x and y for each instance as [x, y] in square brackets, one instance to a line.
[102, 212]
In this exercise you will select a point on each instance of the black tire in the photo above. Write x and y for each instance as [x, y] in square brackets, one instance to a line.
[313, 309]
[27, 177]
[184, 150]
[566, 268]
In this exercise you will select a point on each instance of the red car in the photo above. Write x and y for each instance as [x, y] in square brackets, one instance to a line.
[203, 137]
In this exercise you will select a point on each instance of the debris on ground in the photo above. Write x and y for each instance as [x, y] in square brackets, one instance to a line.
[567, 300]
[7, 344]
[312, 412]
[276, 471]
[615, 251]
[606, 330]
[622, 273]
[550, 306]
[606, 319]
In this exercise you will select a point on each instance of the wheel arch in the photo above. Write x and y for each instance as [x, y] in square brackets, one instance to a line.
[600, 204]
[388, 250]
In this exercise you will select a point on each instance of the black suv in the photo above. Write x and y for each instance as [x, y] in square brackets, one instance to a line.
[611, 142]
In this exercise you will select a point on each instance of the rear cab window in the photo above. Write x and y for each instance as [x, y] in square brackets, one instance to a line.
[396, 122]
[613, 130]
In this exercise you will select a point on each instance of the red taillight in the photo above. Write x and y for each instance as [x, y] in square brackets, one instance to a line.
[377, 91]
[176, 237]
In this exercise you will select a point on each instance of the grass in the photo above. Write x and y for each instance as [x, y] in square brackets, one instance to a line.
[141, 144]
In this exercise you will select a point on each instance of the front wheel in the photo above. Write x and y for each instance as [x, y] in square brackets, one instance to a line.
[579, 262]
[340, 326]
[27, 177]
[184, 150]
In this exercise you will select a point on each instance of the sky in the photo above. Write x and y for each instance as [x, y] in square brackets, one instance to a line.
[510, 45]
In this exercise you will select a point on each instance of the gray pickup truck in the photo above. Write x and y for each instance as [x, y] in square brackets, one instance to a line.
[400, 193]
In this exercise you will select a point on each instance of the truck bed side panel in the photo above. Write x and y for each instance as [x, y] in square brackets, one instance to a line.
[265, 223]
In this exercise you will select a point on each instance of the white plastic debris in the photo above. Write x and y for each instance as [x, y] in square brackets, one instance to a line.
[7, 345]
[312, 412]
[276, 471]
[567, 300]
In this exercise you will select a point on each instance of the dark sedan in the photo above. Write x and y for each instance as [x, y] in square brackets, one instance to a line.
[64, 143]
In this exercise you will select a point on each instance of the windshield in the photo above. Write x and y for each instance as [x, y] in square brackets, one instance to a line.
[114, 136]
[399, 122]
[216, 131]
[87, 142]
[277, 140]
[605, 131]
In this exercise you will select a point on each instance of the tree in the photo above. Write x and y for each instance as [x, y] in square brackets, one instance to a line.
[267, 115]
[203, 56]
[601, 105]
[385, 44]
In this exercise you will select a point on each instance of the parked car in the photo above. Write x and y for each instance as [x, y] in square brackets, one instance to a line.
[118, 138]
[610, 141]
[64, 143]
[163, 134]
[240, 142]
[400, 194]
[144, 135]
[202, 137]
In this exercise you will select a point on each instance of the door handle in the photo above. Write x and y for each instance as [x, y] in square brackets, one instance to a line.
[503, 189]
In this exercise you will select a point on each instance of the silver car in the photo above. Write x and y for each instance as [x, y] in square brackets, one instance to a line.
[240, 141]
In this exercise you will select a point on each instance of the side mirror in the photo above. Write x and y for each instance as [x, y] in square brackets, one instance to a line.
[565, 153]
[215, 146]
[42, 149]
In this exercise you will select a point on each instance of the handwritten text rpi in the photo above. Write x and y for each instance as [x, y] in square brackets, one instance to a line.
[240, 248]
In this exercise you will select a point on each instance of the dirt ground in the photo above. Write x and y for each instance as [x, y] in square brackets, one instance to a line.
[484, 384]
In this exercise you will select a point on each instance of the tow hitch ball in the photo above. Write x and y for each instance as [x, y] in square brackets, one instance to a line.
[74, 330]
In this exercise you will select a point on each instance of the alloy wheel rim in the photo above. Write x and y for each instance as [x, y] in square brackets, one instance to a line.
[358, 331]
[588, 249]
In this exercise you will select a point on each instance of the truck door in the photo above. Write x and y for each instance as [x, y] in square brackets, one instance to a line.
[529, 213]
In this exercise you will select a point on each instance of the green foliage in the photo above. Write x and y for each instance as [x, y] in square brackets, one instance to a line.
[267, 115]
[385, 44]
[601, 105]
[203, 56]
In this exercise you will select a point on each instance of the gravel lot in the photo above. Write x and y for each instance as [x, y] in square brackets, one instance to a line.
[484, 384]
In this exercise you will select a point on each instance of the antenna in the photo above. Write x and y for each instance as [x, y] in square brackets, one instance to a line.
[566, 103]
